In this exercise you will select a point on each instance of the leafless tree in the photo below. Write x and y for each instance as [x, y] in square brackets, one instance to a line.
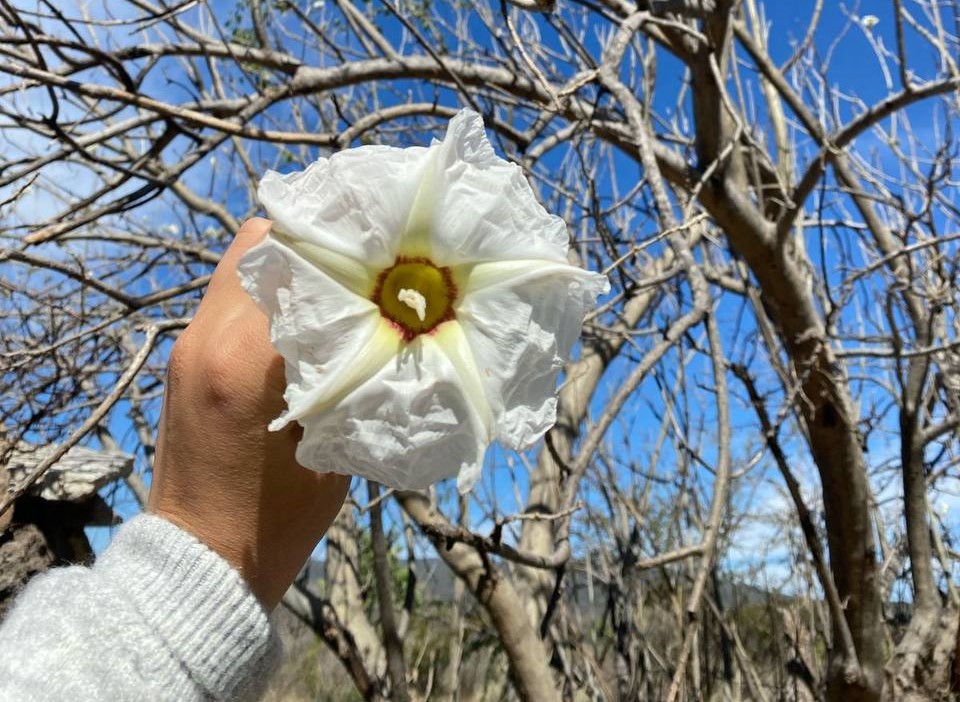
[779, 354]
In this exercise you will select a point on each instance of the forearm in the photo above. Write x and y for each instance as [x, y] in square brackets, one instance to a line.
[159, 617]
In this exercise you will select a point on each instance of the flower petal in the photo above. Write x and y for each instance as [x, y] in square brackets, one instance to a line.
[367, 360]
[410, 413]
[453, 342]
[319, 327]
[484, 208]
[410, 425]
[350, 273]
[473, 277]
[355, 202]
[521, 326]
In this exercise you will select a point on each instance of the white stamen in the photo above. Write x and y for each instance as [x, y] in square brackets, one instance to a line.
[415, 301]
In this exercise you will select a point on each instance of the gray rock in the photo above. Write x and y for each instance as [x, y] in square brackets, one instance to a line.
[75, 477]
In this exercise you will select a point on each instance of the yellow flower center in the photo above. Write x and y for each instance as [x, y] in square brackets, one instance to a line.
[415, 295]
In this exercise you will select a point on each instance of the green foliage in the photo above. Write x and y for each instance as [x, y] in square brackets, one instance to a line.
[398, 572]
[240, 31]
[244, 36]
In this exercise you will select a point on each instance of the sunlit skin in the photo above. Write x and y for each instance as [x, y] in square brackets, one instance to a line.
[218, 473]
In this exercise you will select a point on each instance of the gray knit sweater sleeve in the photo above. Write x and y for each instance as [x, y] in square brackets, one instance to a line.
[159, 617]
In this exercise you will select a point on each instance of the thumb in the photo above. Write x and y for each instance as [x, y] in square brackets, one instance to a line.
[224, 283]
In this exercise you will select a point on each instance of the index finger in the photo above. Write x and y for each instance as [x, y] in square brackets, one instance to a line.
[224, 287]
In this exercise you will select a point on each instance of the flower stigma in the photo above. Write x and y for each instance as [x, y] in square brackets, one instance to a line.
[415, 295]
[415, 301]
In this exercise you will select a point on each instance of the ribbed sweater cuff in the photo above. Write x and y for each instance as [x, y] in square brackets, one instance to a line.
[194, 600]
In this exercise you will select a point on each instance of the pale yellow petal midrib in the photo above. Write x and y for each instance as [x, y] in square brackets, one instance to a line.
[472, 277]
[383, 345]
[452, 342]
[417, 237]
[352, 274]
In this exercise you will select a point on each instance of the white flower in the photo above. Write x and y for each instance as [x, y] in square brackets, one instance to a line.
[424, 305]
[869, 21]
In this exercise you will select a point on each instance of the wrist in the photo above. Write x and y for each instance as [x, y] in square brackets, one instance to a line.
[265, 530]
[178, 585]
[267, 556]
[226, 543]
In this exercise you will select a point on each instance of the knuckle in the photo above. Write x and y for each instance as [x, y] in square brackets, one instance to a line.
[222, 373]
[252, 231]
[224, 367]
[179, 361]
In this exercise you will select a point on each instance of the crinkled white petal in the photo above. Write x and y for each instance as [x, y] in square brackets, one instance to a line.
[521, 319]
[349, 272]
[355, 202]
[408, 414]
[480, 207]
[408, 426]
[319, 327]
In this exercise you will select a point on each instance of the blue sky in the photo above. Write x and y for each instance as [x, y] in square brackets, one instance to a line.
[854, 67]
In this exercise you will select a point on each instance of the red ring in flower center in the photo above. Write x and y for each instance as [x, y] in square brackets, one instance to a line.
[412, 283]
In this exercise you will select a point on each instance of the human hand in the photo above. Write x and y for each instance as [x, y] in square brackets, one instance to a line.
[218, 473]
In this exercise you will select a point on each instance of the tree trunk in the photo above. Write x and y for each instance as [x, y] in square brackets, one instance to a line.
[525, 651]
